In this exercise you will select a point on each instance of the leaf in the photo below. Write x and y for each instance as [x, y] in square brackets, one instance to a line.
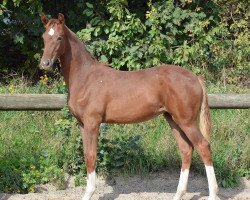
[106, 30]
[140, 54]
[95, 21]
[133, 49]
[19, 38]
[89, 5]
[104, 58]
[151, 50]
[88, 12]
[97, 31]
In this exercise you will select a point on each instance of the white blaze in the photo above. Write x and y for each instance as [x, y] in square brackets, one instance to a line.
[51, 31]
[212, 183]
[90, 188]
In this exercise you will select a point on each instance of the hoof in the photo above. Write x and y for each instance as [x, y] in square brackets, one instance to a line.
[88, 194]
[213, 194]
[178, 195]
[214, 197]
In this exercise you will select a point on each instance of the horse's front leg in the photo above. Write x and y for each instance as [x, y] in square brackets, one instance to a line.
[90, 133]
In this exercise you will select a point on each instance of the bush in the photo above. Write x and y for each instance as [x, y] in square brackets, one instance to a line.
[209, 38]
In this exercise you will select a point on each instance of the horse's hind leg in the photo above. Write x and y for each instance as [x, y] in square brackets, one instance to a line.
[186, 151]
[201, 144]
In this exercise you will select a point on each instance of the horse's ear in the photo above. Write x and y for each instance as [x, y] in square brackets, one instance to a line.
[61, 18]
[44, 19]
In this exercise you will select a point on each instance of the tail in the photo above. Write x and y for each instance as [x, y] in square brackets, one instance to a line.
[204, 121]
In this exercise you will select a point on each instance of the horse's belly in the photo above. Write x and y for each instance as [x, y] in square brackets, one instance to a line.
[132, 112]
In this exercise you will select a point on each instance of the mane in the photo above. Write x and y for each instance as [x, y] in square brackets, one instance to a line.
[81, 42]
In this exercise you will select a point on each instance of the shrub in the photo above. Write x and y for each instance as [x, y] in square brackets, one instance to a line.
[210, 38]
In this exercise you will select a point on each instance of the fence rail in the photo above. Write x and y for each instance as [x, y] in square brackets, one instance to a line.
[58, 101]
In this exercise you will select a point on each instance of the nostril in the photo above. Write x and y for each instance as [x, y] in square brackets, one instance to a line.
[46, 63]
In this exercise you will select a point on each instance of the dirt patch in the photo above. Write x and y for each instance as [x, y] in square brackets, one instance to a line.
[156, 186]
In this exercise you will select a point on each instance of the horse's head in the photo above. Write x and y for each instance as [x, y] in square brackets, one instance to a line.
[54, 40]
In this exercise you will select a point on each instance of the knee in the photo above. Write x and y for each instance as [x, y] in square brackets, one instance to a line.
[186, 157]
[204, 147]
[90, 159]
[186, 153]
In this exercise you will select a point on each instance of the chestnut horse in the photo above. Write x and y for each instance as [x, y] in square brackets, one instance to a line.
[98, 93]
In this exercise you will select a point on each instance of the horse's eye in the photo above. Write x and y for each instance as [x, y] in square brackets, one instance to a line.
[59, 38]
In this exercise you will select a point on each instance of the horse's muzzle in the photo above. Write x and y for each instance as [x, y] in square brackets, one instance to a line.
[46, 64]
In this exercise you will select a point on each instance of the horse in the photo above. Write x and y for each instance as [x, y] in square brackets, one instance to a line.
[97, 94]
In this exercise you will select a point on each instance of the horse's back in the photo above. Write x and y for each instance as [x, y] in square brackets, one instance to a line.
[140, 95]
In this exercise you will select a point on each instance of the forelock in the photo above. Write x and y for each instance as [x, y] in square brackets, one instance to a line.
[52, 22]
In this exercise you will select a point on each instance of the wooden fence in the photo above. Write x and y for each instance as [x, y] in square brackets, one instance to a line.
[58, 101]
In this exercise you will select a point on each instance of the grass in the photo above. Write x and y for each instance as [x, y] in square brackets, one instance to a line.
[37, 147]
[24, 138]
[229, 144]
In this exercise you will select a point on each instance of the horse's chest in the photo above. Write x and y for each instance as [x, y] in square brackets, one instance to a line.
[72, 107]
[85, 105]
[75, 108]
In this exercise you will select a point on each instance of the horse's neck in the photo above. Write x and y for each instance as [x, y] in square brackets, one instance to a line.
[76, 62]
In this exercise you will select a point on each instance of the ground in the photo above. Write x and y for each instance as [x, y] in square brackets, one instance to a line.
[155, 186]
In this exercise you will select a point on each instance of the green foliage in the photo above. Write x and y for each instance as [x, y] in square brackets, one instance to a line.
[21, 30]
[210, 38]
[47, 171]
[118, 153]
[34, 149]
[233, 146]
[71, 156]
[27, 154]
[192, 34]
[79, 178]
[20, 33]
[226, 175]
[46, 85]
